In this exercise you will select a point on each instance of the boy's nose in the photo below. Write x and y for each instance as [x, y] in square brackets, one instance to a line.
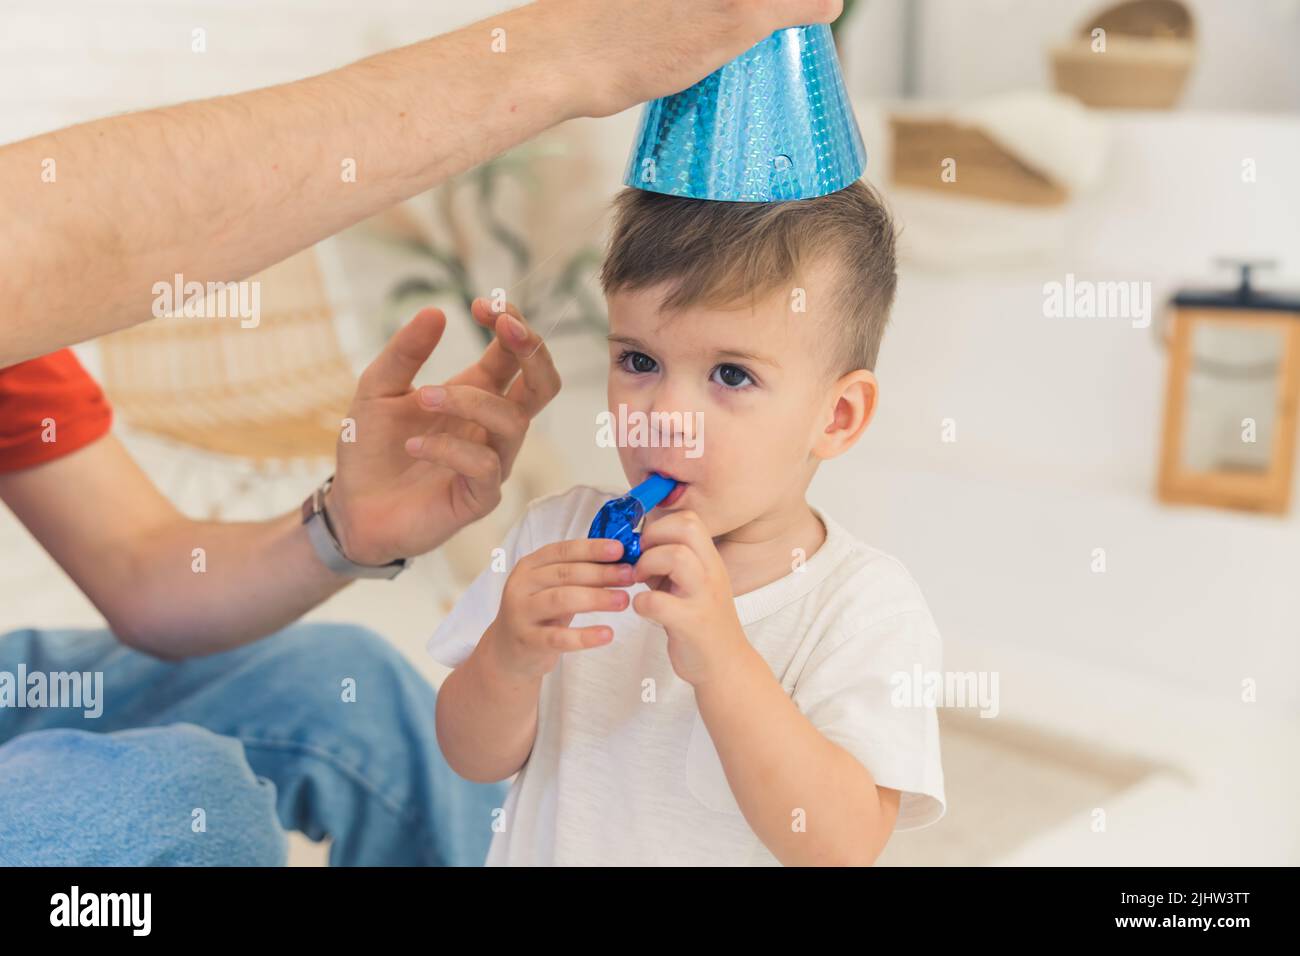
[671, 418]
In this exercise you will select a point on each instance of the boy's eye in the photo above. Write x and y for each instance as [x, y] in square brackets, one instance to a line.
[641, 363]
[732, 376]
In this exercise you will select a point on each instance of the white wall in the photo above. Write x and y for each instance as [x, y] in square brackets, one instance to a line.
[64, 61]
[976, 47]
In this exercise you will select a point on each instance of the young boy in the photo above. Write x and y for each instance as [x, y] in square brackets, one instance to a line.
[728, 700]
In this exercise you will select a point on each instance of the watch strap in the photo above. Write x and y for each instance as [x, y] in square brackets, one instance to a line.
[325, 542]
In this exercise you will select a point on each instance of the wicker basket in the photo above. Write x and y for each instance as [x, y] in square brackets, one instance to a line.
[1150, 51]
[985, 170]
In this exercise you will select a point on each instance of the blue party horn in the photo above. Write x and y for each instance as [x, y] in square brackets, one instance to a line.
[619, 517]
[773, 124]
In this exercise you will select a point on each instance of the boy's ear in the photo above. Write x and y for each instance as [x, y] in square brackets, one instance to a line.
[853, 399]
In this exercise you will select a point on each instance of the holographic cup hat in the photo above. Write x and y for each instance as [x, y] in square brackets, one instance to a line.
[773, 124]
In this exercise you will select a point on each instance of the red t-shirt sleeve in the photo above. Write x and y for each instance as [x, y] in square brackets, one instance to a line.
[49, 407]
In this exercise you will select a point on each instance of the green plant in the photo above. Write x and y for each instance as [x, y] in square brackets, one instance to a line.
[543, 297]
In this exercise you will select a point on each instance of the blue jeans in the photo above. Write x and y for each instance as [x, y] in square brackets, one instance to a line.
[321, 728]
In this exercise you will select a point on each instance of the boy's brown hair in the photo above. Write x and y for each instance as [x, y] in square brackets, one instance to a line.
[728, 254]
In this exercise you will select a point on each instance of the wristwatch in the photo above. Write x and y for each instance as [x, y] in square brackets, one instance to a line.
[326, 543]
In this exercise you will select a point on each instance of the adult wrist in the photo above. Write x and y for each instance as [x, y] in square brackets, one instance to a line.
[325, 541]
[337, 519]
[552, 67]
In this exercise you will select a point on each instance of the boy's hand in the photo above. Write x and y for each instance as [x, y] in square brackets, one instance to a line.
[690, 597]
[543, 593]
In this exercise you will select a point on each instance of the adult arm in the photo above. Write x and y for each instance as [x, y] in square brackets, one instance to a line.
[165, 584]
[415, 474]
[219, 189]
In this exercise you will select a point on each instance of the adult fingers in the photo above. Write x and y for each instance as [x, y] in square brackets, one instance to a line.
[393, 370]
[789, 13]
[503, 420]
[474, 462]
[498, 365]
[539, 381]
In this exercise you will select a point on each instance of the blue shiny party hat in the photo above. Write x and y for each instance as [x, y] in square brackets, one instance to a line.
[771, 125]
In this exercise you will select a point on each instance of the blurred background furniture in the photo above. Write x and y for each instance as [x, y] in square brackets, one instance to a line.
[988, 170]
[1232, 397]
[1133, 55]
[271, 396]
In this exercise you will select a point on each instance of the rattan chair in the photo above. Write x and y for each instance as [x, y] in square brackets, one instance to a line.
[272, 395]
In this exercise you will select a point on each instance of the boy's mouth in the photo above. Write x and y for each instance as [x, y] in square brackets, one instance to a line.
[675, 495]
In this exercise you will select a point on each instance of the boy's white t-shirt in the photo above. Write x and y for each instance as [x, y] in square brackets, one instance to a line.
[623, 771]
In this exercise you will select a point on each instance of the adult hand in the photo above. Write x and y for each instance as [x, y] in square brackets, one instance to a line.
[637, 50]
[427, 462]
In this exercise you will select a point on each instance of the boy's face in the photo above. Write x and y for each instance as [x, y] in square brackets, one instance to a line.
[756, 381]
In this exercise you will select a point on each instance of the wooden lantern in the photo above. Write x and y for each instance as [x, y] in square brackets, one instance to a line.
[1232, 396]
